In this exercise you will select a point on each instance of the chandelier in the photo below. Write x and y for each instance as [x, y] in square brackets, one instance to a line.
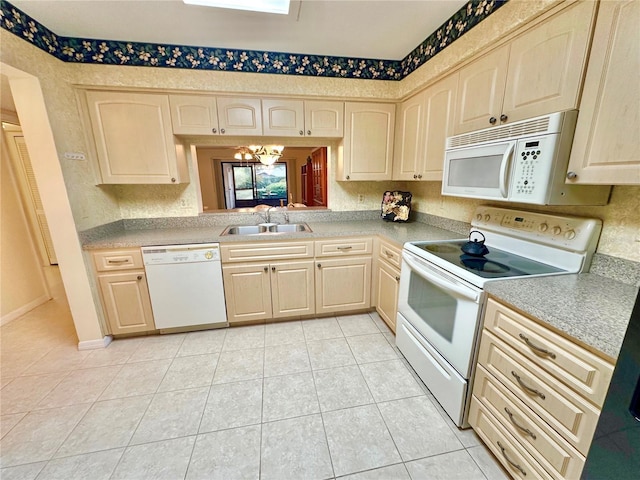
[265, 154]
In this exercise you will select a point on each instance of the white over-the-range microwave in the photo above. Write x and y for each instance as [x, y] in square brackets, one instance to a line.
[524, 162]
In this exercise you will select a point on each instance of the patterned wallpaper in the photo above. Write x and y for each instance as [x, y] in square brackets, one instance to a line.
[108, 52]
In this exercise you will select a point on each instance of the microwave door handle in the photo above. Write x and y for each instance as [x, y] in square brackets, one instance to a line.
[433, 276]
[504, 169]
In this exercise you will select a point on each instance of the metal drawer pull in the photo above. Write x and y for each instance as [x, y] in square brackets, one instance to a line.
[388, 254]
[519, 427]
[511, 462]
[118, 261]
[345, 248]
[526, 388]
[535, 348]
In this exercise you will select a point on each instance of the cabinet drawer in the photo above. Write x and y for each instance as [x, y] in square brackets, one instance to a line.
[538, 438]
[389, 253]
[569, 414]
[112, 260]
[515, 459]
[342, 247]
[265, 251]
[580, 369]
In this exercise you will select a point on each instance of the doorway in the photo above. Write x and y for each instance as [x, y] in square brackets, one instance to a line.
[253, 184]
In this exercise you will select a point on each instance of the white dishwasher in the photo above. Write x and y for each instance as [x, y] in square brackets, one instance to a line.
[185, 286]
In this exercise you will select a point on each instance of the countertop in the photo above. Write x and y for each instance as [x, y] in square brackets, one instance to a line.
[591, 309]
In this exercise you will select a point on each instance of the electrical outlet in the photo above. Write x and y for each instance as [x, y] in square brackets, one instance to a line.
[360, 198]
[74, 156]
[184, 203]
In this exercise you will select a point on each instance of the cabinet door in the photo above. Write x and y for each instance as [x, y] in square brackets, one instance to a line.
[134, 138]
[409, 138]
[343, 284]
[546, 64]
[292, 288]
[247, 292]
[606, 145]
[126, 302]
[387, 283]
[324, 119]
[439, 109]
[194, 114]
[480, 91]
[283, 118]
[239, 116]
[368, 141]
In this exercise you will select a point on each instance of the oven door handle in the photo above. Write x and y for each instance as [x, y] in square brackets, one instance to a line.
[445, 282]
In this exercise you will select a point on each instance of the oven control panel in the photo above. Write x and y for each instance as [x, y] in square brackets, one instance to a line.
[572, 233]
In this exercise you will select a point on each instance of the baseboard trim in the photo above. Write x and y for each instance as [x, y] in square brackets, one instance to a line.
[95, 344]
[11, 316]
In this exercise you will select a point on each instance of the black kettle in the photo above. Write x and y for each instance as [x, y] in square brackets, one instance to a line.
[475, 247]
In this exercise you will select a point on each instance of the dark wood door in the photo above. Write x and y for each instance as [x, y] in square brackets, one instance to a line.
[318, 177]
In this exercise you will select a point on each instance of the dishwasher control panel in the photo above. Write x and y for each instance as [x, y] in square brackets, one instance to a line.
[192, 253]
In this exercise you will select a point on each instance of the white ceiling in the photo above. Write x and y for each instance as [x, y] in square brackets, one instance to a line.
[376, 29]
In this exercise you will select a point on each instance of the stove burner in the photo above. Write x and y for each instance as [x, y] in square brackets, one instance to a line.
[482, 264]
[441, 248]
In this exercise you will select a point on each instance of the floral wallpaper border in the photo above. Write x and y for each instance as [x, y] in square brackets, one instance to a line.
[109, 52]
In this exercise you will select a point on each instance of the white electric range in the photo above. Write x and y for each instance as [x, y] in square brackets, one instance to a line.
[441, 295]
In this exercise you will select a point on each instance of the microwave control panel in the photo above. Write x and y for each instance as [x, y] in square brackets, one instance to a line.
[532, 162]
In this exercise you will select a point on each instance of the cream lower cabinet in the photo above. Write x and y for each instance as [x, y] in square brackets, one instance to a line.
[606, 146]
[387, 282]
[263, 291]
[134, 138]
[268, 280]
[343, 274]
[124, 291]
[536, 396]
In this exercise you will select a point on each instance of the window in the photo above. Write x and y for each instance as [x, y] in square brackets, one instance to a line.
[255, 184]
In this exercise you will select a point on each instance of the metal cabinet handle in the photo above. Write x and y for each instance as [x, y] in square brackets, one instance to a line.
[319, 265]
[173, 180]
[118, 261]
[222, 130]
[273, 269]
[388, 253]
[511, 462]
[397, 278]
[214, 130]
[503, 118]
[308, 132]
[572, 175]
[527, 388]
[301, 132]
[139, 277]
[493, 120]
[420, 176]
[415, 177]
[345, 248]
[518, 426]
[348, 177]
[535, 348]
[266, 269]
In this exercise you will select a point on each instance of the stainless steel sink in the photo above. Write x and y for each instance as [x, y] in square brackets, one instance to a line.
[266, 229]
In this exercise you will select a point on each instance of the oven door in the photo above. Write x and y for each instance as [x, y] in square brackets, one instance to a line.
[442, 308]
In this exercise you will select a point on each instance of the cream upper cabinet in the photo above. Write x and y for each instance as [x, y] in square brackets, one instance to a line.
[368, 142]
[606, 146]
[239, 116]
[480, 91]
[283, 118]
[538, 72]
[547, 63]
[194, 114]
[423, 124]
[134, 139]
[323, 118]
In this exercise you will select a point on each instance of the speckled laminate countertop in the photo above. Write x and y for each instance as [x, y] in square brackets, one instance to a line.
[590, 308]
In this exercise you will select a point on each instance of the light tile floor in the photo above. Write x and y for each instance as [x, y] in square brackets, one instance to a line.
[314, 399]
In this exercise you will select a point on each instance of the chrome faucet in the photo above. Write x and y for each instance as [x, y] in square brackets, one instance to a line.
[266, 216]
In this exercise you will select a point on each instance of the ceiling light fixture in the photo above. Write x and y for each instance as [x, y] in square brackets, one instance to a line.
[266, 6]
[243, 153]
[266, 154]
